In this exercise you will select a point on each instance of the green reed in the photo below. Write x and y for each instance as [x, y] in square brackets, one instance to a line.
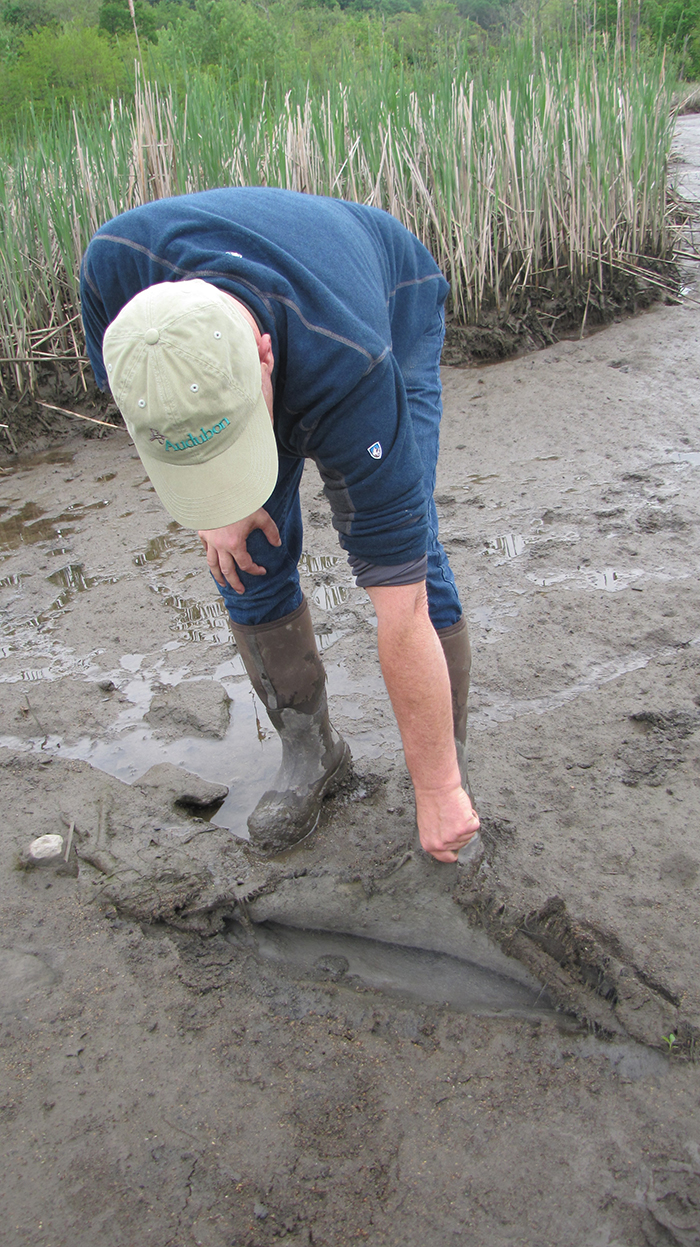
[515, 173]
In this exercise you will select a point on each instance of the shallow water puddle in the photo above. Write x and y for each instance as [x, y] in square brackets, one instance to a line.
[686, 456]
[312, 564]
[610, 579]
[329, 597]
[28, 527]
[62, 662]
[510, 544]
[413, 973]
[246, 759]
[158, 549]
[198, 621]
[24, 463]
[31, 525]
[334, 591]
[72, 580]
[21, 633]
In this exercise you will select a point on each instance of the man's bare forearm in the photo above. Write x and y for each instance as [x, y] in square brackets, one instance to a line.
[415, 672]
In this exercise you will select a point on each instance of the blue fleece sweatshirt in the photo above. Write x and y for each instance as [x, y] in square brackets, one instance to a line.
[344, 292]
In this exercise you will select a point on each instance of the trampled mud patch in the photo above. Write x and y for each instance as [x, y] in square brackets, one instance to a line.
[149, 851]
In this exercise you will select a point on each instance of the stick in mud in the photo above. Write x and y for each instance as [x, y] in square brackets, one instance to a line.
[65, 412]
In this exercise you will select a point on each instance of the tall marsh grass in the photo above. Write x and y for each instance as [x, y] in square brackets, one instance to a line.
[547, 174]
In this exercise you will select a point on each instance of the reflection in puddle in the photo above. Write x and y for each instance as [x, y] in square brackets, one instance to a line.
[72, 577]
[610, 579]
[159, 547]
[31, 525]
[27, 527]
[328, 597]
[155, 550]
[510, 544]
[71, 580]
[311, 563]
[199, 621]
[324, 640]
[434, 978]
[686, 456]
[62, 662]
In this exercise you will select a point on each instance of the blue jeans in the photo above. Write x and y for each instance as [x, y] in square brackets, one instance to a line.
[278, 593]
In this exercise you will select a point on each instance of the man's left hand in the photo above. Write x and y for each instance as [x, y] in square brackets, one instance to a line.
[227, 552]
[446, 821]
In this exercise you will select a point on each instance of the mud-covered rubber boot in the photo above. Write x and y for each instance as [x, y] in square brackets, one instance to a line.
[458, 655]
[287, 674]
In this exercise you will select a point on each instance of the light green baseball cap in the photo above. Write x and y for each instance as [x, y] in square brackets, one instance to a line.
[184, 370]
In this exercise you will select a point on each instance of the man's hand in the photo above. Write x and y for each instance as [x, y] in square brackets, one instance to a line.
[227, 552]
[446, 821]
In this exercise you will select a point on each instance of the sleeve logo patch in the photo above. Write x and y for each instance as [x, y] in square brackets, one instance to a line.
[376, 450]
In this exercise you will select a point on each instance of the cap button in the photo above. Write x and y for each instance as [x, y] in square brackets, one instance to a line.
[151, 336]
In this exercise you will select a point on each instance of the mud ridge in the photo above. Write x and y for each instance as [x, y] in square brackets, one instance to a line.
[585, 970]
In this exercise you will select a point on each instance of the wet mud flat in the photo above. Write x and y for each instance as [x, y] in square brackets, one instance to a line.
[353, 1042]
[202, 1047]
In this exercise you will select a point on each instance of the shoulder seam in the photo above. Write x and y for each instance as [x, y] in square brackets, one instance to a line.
[267, 296]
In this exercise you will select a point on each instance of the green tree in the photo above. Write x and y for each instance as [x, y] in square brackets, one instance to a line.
[60, 66]
[214, 32]
[115, 19]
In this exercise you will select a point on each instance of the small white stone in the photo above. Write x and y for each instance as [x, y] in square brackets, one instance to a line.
[45, 847]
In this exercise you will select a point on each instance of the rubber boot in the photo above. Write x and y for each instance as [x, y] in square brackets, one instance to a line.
[287, 674]
[458, 655]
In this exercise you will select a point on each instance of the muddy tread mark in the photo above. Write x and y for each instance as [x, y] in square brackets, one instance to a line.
[650, 981]
[585, 971]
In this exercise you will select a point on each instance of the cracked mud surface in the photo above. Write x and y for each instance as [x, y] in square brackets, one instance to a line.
[169, 1076]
